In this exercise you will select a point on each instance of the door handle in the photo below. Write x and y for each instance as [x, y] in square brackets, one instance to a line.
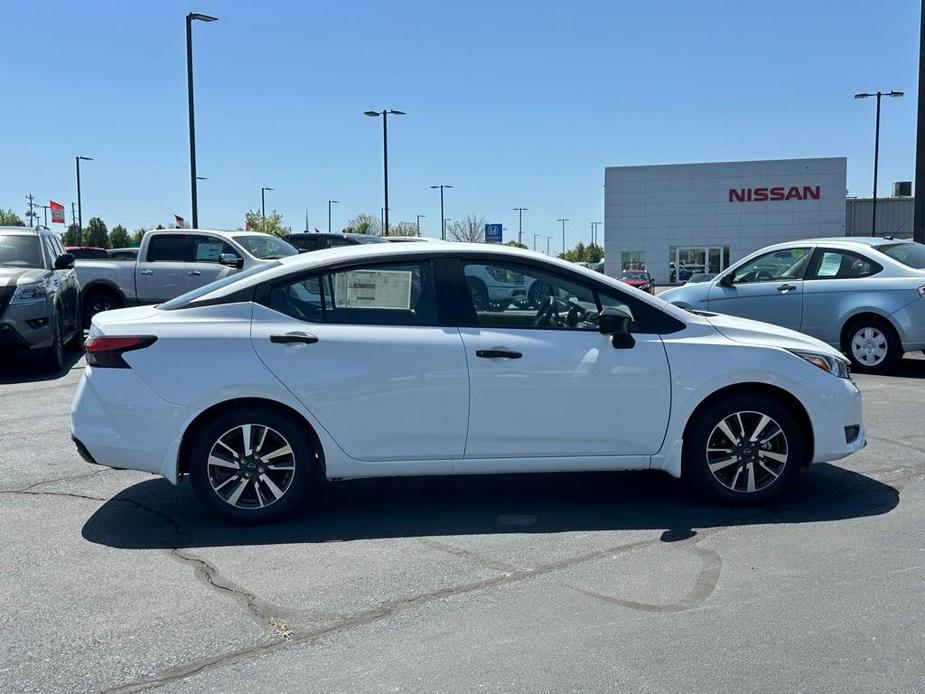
[497, 354]
[294, 338]
[194, 273]
[786, 288]
[146, 272]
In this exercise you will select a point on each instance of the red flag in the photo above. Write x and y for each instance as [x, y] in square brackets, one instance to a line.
[57, 212]
[247, 225]
[178, 218]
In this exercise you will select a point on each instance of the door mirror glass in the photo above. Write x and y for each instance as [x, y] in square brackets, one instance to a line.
[65, 261]
[616, 322]
[231, 260]
[726, 280]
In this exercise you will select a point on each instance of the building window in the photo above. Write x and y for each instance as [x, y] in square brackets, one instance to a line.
[634, 260]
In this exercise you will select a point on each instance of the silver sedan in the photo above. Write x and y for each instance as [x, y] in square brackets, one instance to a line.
[864, 296]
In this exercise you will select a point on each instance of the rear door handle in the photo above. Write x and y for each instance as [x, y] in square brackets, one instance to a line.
[293, 338]
[146, 272]
[194, 273]
[497, 354]
[786, 287]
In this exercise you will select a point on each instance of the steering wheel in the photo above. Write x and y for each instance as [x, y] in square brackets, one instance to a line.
[548, 313]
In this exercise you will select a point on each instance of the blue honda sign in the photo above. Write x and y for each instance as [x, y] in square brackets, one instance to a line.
[492, 233]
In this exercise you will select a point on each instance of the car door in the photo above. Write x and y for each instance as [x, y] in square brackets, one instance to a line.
[366, 350]
[204, 266]
[768, 287]
[68, 285]
[162, 273]
[545, 382]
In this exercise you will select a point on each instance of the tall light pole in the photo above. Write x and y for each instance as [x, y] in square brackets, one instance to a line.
[330, 202]
[594, 226]
[563, 220]
[864, 95]
[520, 224]
[419, 222]
[442, 216]
[534, 240]
[192, 16]
[263, 206]
[548, 239]
[385, 158]
[80, 222]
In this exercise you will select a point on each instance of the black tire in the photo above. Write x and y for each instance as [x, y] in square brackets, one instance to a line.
[708, 450]
[479, 293]
[865, 340]
[537, 294]
[53, 356]
[97, 301]
[251, 506]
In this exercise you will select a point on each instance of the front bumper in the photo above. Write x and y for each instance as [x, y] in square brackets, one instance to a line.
[25, 327]
[835, 408]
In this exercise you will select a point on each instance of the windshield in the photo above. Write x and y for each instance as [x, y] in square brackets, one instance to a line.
[909, 254]
[184, 300]
[635, 276]
[19, 250]
[266, 247]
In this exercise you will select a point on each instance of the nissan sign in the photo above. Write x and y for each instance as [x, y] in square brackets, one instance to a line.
[773, 194]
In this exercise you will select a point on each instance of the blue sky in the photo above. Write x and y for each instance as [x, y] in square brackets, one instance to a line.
[516, 104]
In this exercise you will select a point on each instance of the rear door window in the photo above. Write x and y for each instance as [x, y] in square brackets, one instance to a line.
[166, 248]
[835, 264]
[208, 249]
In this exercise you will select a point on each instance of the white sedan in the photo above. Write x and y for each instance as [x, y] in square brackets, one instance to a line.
[373, 361]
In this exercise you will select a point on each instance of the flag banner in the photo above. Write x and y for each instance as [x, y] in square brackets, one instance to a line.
[247, 226]
[180, 221]
[57, 212]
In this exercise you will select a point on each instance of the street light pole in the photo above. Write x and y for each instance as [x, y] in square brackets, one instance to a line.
[534, 241]
[520, 224]
[192, 125]
[419, 223]
[864, 95]
[263, 206]
[563, 220]
[548, 239]
[385, 159]
[80, 223]
[442, 216]
[330, 202]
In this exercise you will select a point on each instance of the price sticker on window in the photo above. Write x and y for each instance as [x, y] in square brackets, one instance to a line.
[383, 289]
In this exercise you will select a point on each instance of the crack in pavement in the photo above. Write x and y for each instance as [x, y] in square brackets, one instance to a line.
[467, 554]
[29, 487]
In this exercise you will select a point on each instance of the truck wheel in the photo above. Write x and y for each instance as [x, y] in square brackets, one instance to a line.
[97, 301]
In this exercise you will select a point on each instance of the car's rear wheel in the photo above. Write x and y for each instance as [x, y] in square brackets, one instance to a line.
[538, 293]
[97, 301]
[479, 293]
[744, 449]
[252, 465]
[872, 345]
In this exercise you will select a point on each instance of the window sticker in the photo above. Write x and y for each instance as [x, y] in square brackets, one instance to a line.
[208, 251]
[389, 289]
[831, 262]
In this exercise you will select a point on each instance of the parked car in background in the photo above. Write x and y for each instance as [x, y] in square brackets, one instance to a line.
[306, 242]
[678, 275]
[171, 262]
[123, 253]
[640, 279]
[87, 252]
[405, 239]
[700, 277]
[254, 385]
[864, 296]
[39, 295]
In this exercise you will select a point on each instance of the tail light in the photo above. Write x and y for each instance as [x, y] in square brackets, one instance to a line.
[106, 352]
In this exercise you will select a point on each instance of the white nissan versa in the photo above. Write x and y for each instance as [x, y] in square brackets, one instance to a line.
[370, 361]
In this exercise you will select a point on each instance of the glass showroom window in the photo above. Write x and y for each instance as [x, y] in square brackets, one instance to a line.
[633, 260]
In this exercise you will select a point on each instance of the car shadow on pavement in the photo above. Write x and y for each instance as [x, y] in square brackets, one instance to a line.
[27, 368]
[154, 514]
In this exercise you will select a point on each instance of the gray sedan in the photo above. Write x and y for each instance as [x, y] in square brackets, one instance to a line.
[865, 296]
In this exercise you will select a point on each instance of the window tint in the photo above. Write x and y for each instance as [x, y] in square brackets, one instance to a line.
[307, 242]
[50, 252]
[169, 248]
[784, 264]
[207, 249]
[831, 264]
[911, 254]
[380, 294]
[20, 250]
[266, 247]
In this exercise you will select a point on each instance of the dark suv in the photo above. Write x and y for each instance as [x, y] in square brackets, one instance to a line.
[306, 242]
[39, 295]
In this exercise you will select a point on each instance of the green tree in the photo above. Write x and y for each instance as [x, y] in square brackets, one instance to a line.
[403, 229]
[364, 224]
[581, 253]
[470, 228]
[515, 244]
[138, 235]
[96, 234]
[118, 237]
[273, 224]
[8, 218]
[71, 237]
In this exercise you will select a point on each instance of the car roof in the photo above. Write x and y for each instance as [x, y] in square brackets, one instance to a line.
[25, 231]
[870, 241]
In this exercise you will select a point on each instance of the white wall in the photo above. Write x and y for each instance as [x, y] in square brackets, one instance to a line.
[650, 208]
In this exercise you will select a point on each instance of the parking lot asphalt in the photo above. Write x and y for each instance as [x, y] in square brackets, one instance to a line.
[117, 581]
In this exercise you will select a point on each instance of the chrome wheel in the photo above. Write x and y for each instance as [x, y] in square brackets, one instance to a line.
[251, 466]
[747, 452]
[869, 346]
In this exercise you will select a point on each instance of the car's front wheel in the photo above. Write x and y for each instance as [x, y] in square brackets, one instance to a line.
[744, 449]
[252, 465]
[54, 355]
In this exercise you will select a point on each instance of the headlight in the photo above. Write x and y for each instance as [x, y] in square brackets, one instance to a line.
[29, 293]
[834, 365]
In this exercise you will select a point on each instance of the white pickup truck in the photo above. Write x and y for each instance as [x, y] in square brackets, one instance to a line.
[170, 263]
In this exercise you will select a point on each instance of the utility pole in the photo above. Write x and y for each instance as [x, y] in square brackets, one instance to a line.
[520, 221]
[419, 223]
[306, 220]
[45, 208]
[73, 214]
[563, 220]
[30, 214]
[330, 202]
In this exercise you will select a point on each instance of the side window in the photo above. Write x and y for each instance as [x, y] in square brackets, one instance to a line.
[168, 248]
[380, 294]
[50, 253]
[831, 264]
[207, 249]
[784, 264]
[506, 295]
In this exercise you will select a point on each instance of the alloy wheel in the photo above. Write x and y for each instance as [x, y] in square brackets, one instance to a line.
[869, 346]
[747, 451]
[251, 466]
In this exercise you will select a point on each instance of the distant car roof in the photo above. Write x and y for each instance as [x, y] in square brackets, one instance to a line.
[22, 230]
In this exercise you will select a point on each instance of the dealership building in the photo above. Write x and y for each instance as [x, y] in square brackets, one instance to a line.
[702, 217]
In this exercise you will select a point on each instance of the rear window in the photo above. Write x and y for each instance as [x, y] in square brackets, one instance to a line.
[185, 300]
[909, 254]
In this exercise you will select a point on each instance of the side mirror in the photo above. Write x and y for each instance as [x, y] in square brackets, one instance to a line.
[231, 260]
[726, 280]
[65, 261]
[617, 322]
